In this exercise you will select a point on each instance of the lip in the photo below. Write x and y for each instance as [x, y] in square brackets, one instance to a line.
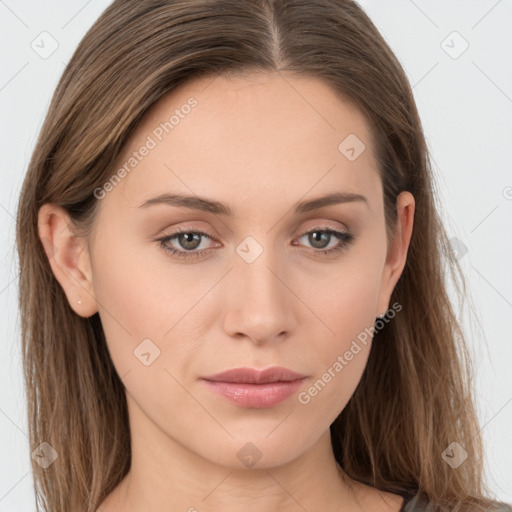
[254, 376]
[257, 389]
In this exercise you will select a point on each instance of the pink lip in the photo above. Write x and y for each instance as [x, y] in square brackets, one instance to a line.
[256, 389]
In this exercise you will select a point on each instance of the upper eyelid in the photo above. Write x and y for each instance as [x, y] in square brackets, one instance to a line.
[206, 232]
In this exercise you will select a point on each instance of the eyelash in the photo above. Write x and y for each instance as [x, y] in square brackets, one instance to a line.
[345, 240]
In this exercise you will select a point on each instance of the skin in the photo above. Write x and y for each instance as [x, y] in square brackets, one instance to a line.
[259, 144]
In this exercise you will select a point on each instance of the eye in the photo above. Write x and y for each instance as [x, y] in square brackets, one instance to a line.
[320, 239]
[190, 240]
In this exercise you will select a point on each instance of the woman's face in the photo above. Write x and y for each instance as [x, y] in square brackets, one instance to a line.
[257, 291]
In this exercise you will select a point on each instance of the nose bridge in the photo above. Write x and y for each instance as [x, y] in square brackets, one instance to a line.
[260, 304]
[256, 268]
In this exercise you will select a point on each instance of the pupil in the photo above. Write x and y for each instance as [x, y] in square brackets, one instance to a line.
[189, 238]
[317, 236]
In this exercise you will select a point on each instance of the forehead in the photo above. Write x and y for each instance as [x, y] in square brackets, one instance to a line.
[268, 133]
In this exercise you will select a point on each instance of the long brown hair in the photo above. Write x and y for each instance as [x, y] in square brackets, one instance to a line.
[414, 398]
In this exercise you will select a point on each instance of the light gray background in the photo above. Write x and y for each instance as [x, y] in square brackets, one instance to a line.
[466, 108]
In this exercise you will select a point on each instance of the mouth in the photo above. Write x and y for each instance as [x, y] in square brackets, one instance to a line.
[252, 388]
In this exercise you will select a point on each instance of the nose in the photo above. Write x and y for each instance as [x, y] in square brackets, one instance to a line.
[259, 303]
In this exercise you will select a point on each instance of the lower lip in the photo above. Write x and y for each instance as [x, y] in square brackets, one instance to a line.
[255, 396]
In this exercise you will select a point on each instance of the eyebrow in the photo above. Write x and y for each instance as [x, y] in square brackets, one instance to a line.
[217, 208]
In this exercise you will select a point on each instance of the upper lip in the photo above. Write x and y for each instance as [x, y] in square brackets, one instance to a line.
[254, 376]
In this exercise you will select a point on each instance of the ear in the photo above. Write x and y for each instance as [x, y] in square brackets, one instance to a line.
[69, 258]
[397, 252]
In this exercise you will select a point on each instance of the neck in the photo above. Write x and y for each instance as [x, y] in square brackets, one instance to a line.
[166, 476]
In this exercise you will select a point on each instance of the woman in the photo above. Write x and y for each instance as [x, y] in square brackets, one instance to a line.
[232, 287]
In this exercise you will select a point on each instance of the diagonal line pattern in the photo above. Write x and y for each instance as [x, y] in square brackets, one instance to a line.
[489, 283]
[76, 14]
[1, 205]
[492, 81]
[280, 74]
[424, 13]
[485, 15]
[13, 77]
[484, 218]
[280, 423]
[206, 410]
[217, 485]
[13, 423]
[286, 491]
[8, 284]
[311, 188]
[206, 293]
[300, 299]
[494, 416]
[427, 73]
[13, 13]
[15, 485]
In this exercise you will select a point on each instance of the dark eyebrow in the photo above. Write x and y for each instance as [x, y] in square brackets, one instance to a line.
[335, 198]
[207, 205]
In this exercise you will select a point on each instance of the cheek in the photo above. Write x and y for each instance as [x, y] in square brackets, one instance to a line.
[345, 303]
[339, 358]
[329, 391]
[142, 298]
[131, 300]
[344, 295]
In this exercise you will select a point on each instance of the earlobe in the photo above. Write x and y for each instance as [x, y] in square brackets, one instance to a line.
[69, 258]
[397, 254]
